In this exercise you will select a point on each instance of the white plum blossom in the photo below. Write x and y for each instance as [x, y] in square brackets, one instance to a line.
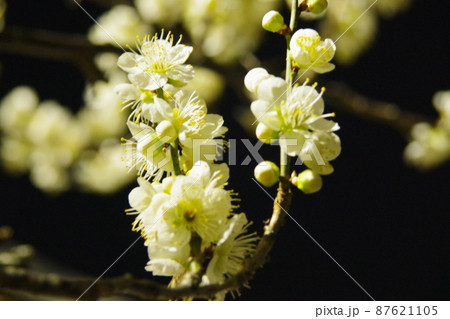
[310, 52]
[183, 204]
[181, 119]
[157, 62]
[147, 152]
[169, 213]
[231, 250]
[297, 115]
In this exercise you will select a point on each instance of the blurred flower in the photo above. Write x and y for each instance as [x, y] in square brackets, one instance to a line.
[118, 26]
[17, 109]
[101, 114]
[2, 13]
[430, 145]
[226, 30]
[208, 84]
[161, 12]
[355, 26]
[103, 171]
[389, 8]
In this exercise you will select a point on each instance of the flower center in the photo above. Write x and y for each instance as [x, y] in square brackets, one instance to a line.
[189, 215]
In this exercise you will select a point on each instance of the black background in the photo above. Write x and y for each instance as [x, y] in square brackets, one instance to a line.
[385, 223]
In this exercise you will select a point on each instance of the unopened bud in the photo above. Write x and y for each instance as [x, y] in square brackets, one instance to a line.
[266, 134]
[309, 182]
[316, 6]
[273, 21]
[254, 77]
[267, 173]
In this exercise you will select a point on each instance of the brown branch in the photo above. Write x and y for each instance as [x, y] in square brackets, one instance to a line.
[73, 48]
[18, 282]
[343, 97]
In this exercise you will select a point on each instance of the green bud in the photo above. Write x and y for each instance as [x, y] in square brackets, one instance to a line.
[273, 21]
[265, 134]
[309, 182]
[267, 173]
[316, 6]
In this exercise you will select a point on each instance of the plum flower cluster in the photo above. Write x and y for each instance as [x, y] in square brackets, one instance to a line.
[187, 215]
[164, 114]
[183, 211]
[295, 118]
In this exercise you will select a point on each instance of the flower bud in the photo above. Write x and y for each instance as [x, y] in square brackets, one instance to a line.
[316, 6]
[273, 21]
[309, 182]
[266, 134]
[167, 130]
[254, 77]
[267, 173]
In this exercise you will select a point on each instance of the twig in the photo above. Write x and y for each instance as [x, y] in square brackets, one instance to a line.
[21, 281]
[73, 48]
[343, 97]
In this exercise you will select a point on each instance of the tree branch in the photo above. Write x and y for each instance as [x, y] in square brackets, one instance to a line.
[21, 283]
[344, 98]
[72, 48]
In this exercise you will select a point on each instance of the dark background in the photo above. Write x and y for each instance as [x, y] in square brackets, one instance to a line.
[385, 223]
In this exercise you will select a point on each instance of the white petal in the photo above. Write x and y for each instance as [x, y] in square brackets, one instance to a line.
[323, 68]
[325, 169]
[272, 90]
[321, 124]
[292, 143]
[183, 73]
[200, 171]
[127, 91]
[259, 108]
[127, 62]
[224, 173]
[160, 110]
[164, 267]
[138, 198]
[180, 53]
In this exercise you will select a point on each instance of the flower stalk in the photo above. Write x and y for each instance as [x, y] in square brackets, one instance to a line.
[284, 158]
[175, 158]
